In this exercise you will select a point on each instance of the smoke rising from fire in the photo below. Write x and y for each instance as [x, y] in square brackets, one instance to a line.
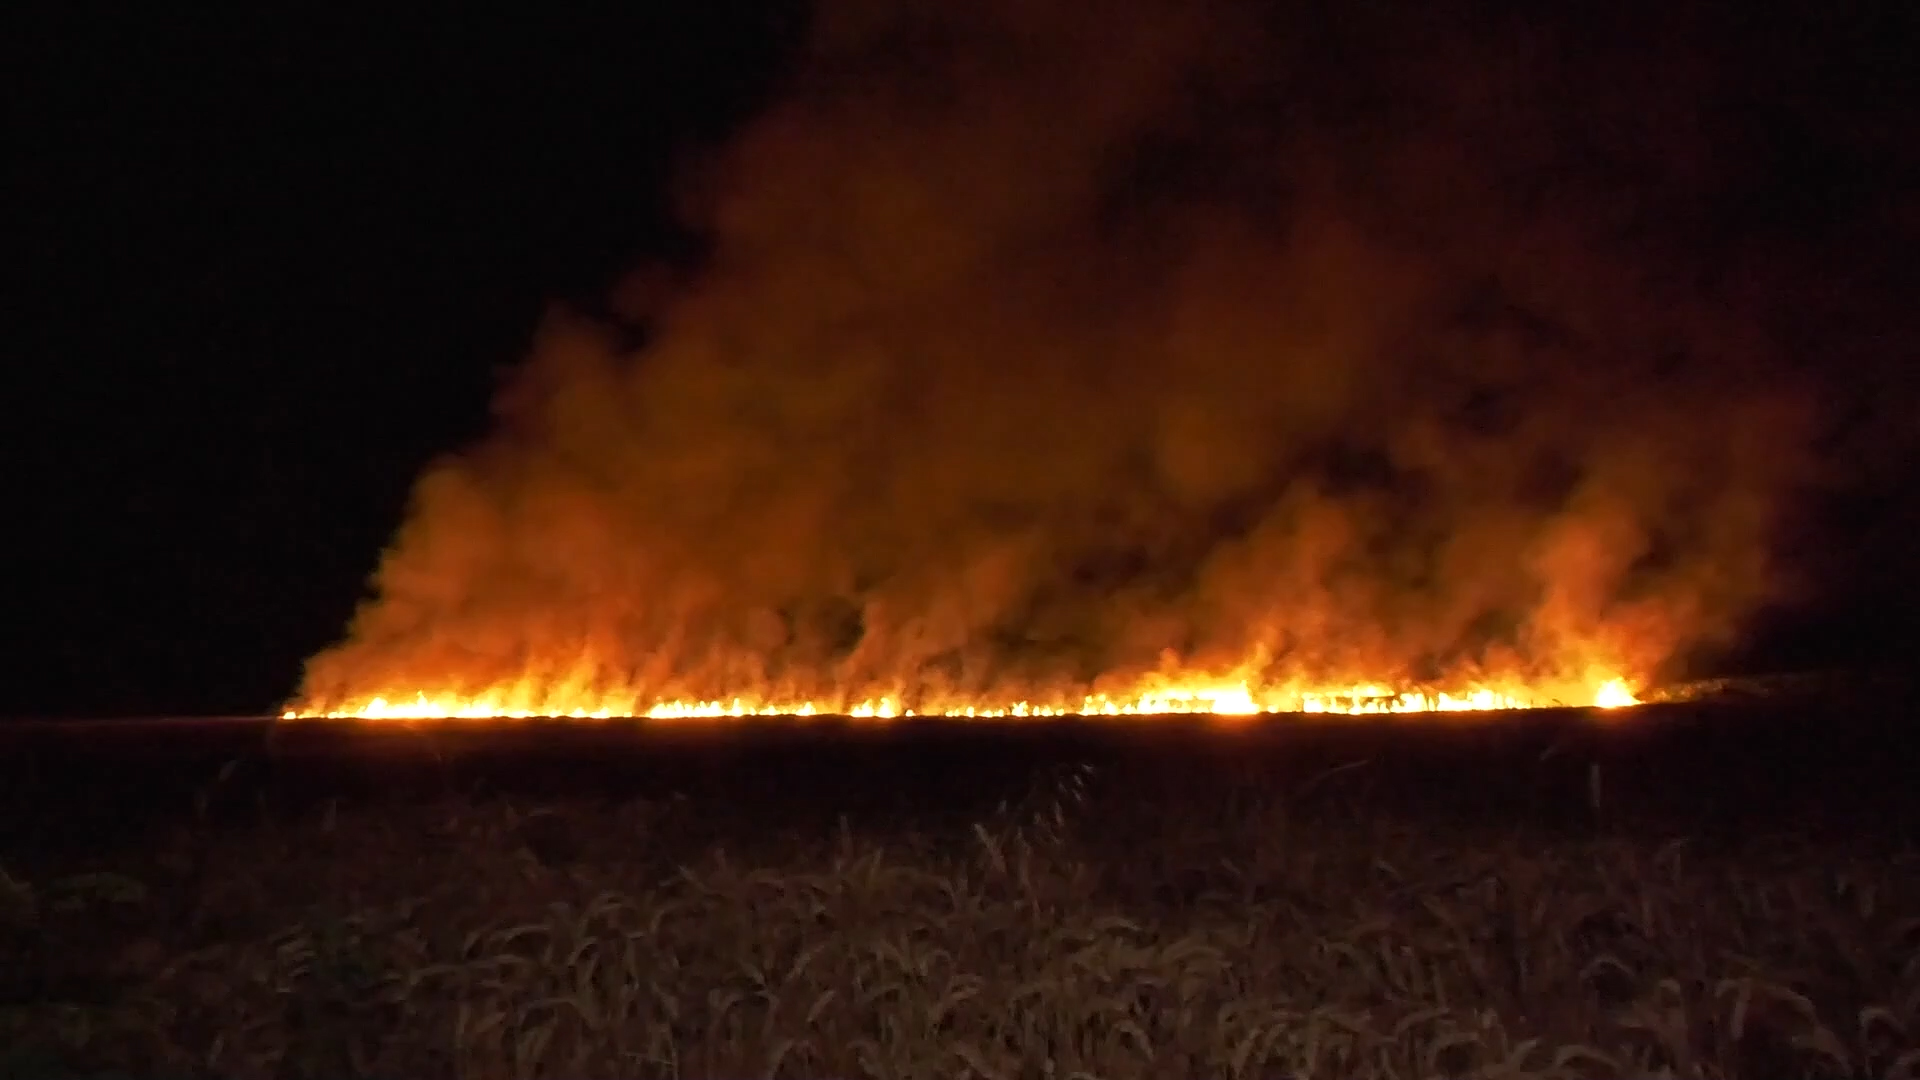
[1041, 349]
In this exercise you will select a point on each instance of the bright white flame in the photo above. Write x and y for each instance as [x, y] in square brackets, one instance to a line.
[1613, 694]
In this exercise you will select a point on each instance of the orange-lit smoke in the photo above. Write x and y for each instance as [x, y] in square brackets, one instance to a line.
[1055, 359]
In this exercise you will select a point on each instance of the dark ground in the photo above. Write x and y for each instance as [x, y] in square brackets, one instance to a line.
[1711, 889]
[1844, 765]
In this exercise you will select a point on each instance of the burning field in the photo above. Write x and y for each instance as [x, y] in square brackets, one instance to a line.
[1039, 365]
[1174, 357]
[527, 700]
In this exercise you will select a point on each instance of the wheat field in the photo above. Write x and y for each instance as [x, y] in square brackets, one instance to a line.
[1086, 928]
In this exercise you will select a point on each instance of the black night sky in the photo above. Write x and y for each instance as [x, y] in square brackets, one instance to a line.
[268, 267]
[280, 262]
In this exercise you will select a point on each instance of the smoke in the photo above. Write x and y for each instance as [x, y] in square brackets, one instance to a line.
[1041, 349]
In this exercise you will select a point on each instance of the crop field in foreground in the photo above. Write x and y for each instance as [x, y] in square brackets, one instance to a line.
[1700, 892]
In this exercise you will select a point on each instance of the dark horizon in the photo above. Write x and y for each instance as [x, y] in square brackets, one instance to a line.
[273, 271]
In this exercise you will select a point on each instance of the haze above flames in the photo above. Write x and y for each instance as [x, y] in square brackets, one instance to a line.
[1044, 353]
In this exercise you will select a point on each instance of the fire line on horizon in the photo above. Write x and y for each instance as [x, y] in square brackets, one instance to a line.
[1222, 700]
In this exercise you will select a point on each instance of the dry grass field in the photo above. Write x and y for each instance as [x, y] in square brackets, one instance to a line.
[1356, 903]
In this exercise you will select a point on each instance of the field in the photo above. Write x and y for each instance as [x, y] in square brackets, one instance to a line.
[1696, 891]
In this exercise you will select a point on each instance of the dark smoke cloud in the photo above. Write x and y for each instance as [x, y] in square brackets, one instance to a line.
[1040, 344]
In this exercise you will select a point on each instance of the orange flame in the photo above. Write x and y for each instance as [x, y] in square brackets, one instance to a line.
[1224, 699]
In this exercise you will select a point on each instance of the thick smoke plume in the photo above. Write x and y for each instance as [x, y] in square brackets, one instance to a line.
[1043, 347]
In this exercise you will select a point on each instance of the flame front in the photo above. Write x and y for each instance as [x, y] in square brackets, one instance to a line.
[1222, 699]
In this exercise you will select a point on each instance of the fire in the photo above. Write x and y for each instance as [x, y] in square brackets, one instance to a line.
[1613, 694]
[1223, 699]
